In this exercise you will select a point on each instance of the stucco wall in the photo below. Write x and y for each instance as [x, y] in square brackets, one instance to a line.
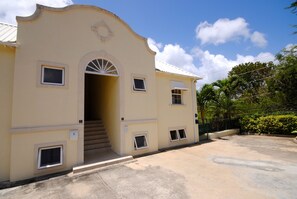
[172, 116]
[6, 84]
[24, 152]
[106, 103]
[48, 39]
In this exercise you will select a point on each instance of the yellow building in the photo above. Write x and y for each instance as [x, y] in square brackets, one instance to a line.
[78, 80]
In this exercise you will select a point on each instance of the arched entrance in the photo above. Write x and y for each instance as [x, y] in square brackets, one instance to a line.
[99, 78]
[101, 108]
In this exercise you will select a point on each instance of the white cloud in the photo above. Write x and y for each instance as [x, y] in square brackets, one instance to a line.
[225, 30]
[211, 66]
[173, 54]
[258, 39]
[216, 66]
[9, 9]
[222, 31]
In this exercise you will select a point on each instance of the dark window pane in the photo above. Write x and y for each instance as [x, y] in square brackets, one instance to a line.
[173, 135]
[176, 99]
[51, 75]
[50, 156]
[139, 84]
[177, 91]
[176, 96]
[140, 141]
[182, 133]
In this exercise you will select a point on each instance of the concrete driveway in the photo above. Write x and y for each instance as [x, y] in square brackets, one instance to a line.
[231, 167]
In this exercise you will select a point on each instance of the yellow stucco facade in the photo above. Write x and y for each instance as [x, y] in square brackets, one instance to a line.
[35, 115]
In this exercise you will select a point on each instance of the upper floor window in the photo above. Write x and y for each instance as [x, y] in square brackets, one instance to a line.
[176, 96]
[139, 84]
[52, 75]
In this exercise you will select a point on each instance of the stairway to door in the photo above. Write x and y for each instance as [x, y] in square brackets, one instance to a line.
[95, 138]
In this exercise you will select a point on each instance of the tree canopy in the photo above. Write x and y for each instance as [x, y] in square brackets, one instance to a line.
[253, 88]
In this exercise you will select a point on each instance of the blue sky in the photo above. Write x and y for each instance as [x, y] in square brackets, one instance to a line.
[206, 37]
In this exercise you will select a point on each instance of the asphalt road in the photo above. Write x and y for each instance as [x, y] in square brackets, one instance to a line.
[231, 167]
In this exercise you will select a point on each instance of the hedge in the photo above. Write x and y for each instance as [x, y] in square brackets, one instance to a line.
[272, 124]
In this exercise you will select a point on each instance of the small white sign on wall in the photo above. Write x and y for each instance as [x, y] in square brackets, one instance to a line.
[73, 134]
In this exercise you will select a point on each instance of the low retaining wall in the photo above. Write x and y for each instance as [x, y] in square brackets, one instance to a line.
[219, 134]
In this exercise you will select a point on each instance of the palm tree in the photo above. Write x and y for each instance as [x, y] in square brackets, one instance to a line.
[225, 93]
[204, 96]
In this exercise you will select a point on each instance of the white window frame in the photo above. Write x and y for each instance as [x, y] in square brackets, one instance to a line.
[178, 135]
[177, 94]
[139, 89]
[53, 165]
[56, 68]
[135, 143]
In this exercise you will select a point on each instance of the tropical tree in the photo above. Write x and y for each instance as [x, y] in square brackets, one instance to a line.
[293, 7]
[251, 79]
[284, 84]
[204, 97]
[224, 98]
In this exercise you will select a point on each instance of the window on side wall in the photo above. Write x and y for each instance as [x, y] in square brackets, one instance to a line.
[53, 76]
[182, 134]
[173, 135]
[140, 142]
[177, 134]
[176, 96]
[50, 157]
[139, 84]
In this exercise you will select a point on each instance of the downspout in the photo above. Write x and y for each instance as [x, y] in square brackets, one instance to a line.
[194, 108]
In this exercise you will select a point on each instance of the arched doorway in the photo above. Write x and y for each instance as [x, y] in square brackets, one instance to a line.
[101, 109]
[99, 85]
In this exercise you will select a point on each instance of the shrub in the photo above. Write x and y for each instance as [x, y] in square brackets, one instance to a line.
[272, 124]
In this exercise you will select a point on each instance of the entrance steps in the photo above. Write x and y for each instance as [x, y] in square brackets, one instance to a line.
[95, 138]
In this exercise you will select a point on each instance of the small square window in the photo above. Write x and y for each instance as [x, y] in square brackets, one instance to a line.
[182, 134]
[176, 96]
[173, 135]
[140, 142]
[50, 157]
[52, 76]
[138, 84]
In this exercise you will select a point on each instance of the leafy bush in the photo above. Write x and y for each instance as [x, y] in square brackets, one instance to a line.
[272, 124]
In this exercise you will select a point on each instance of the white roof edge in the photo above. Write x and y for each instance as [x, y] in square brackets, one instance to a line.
[8, 24]
[8, 34]
[11, 44]
[164, 67]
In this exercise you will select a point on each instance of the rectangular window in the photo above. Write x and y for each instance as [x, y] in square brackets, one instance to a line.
[173, 135]
[176, 96]
[182, 134]
[140, 142]
[179, 134]
[50, 157]
[139, 84]
[52, 76]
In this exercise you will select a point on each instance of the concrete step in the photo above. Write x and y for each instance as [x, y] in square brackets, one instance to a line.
[96, 165]
[93, 122]
[97, 146]
[96, 136]
[94, 125]
[91, 133]
[86, 129]
[96, 141]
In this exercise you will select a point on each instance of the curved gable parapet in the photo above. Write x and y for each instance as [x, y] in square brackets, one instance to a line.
[41, 8]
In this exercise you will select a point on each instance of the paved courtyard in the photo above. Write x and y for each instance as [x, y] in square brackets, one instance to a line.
[231, 167]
